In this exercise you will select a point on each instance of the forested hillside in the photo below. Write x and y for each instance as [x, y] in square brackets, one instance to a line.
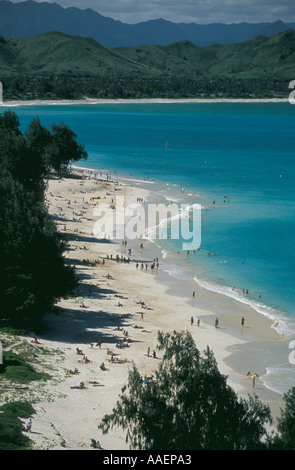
[55, 65]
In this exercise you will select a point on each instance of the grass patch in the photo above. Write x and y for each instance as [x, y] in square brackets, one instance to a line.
[7, 330]
[16, 369]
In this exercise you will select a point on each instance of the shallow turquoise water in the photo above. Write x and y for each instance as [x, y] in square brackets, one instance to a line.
[244, 151]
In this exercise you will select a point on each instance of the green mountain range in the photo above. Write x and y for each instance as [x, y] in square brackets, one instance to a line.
[259, 57]
[57, 53]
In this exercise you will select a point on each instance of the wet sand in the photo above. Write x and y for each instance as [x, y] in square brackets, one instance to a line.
[108, 298]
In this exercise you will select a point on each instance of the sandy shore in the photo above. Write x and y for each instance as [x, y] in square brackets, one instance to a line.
[96, 101]
[108, 297]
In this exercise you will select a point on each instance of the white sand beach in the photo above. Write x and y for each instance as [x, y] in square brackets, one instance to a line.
[109, 303]
[96, 101]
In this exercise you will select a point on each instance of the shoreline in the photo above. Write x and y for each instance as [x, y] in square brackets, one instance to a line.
[70, 419]
[278, 318]
[94, 101]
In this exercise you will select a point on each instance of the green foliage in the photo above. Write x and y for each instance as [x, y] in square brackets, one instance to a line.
[189, 406]
[22, 409]
[64, 148]
[79, 86]
[33, 269]
[29, 157]
[57, 66]
[16, 369]
[8, 330]
[21, 374]
[11, 436]
[60, 54]
[285, 438]
[34, 274]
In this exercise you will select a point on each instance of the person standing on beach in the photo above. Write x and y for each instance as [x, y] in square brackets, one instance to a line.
[192, 321]
[148, 351]
[29, 425]
[216, 322]
[242, 321]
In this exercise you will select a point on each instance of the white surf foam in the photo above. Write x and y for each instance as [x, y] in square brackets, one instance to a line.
[280, 323]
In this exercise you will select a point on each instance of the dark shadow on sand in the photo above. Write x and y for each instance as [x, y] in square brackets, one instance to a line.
[79, 237]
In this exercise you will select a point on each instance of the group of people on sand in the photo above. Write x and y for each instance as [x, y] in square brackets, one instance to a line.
[193, 321]
[154, 265]
[99, 343]
[73, 372]
[93, 263]
[216, 322]
[148, 352]
[122, 259]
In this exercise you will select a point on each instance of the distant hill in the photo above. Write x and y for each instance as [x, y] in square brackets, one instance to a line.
[30, 18]
[260, 57]
[57, 53]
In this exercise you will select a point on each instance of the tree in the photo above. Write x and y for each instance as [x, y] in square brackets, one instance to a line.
[38, 138]
[12, 146]
[10, 122]
[23, 155]
[64, 148]
[30, 156]
[285, 438]
[34, 275]
[189, 405]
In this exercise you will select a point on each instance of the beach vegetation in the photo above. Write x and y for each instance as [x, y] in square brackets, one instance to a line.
[188, 405]
[11, 426]
[16, 369]
[34, 272]
[79, 86]
[63, 148]
[10, 331]
[284, 438]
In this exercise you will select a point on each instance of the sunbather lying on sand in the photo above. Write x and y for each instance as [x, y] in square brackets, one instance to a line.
[80, 386]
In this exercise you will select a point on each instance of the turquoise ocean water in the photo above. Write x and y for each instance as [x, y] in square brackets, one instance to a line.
[240, 155]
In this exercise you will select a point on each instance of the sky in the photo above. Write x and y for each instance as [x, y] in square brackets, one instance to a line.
[188, 11]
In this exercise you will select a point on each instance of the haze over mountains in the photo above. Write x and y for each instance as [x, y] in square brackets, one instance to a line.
[30, 18]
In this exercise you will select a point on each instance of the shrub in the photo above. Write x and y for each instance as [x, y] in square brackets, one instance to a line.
[16, 369]
[21, 409]
[11, 427]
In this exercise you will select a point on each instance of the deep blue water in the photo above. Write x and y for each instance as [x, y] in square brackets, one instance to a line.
[244, 151]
